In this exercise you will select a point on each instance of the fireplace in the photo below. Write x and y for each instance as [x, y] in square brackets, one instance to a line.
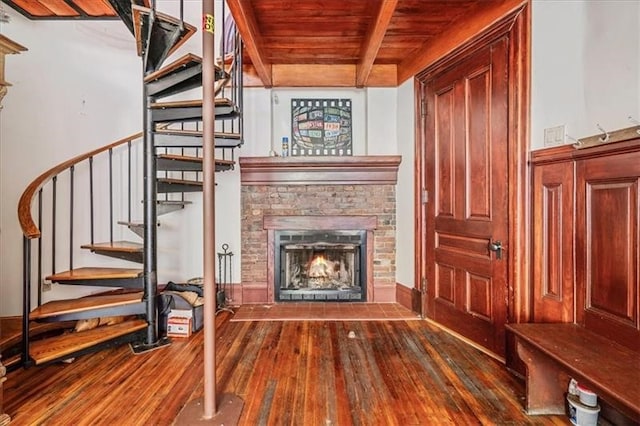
[290, 205]
[320, 266]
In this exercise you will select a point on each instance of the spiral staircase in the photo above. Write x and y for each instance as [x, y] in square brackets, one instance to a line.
[162, 165]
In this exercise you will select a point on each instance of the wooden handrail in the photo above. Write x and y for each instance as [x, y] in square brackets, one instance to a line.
[28, 225]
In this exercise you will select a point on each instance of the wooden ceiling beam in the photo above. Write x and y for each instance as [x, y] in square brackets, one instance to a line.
[465, 29]
[317, 75]
[373, 40]
[245, 19]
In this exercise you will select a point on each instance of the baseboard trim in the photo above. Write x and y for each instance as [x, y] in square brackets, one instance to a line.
[409, 298]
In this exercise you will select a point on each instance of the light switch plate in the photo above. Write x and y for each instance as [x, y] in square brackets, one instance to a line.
[554, 136]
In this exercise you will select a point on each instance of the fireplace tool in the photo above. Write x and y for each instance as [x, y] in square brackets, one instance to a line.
[224, 287]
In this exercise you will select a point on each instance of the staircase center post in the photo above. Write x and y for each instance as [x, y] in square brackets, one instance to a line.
[208, 168]
[150, 220]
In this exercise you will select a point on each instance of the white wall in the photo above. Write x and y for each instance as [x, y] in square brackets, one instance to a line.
[78, 88]
[585, 66]
[382, 116]
[405, 220]
[268, 118]
[74, 90]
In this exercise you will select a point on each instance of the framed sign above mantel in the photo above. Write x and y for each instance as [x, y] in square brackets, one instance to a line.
[321, 127]
[354, 170]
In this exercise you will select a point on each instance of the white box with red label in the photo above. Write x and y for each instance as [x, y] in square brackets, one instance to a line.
[179, 323]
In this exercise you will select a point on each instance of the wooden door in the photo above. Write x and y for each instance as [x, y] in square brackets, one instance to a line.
[466, 179]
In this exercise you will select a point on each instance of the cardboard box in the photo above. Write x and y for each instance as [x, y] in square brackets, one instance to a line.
[179, 323]
[181, 313]
[173, 301]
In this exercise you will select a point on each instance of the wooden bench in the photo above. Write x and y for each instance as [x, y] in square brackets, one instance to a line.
[553, 353]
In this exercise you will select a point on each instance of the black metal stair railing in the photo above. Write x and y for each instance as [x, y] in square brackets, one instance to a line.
[42, 213]
[231, 50]
[81, 199]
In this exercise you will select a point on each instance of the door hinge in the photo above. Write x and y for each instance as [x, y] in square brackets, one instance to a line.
[425, 196]
[423, 108]
[423, 287]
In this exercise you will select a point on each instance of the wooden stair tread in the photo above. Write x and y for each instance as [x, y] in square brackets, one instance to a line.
[191, 159]
[59, 307]
[11, 330]
[137, 27]
[138, 10]
[11, 361]
[176, 157]
[116, 246]
[180, 181]
[132, 223]
[169, 202]
[179, 132]
[173, 66]
[95, 274]
[46, 350]
[226, 162]
[228, 59]
[228, 135]
[219, 102]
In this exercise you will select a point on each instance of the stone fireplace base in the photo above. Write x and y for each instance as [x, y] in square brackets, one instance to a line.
[326, 193]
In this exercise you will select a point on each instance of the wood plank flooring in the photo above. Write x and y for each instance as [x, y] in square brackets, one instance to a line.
[287, 373]
[325, 311]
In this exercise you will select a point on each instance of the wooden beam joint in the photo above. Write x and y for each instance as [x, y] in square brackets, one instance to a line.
[373, 40]
[248, 28]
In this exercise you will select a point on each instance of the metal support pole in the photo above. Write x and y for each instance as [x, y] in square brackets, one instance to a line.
[209, 409]
[208, 176]
[26, 298]
[150, 220]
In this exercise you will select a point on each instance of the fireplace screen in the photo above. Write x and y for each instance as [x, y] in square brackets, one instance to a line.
[320, 265]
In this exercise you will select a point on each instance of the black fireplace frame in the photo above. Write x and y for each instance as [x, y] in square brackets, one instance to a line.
[294, 237]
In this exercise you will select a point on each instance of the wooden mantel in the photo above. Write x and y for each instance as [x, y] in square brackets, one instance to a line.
[355, 170]
[7, 47]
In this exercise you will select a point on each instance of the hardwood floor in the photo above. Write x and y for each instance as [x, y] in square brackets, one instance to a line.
[287, 373]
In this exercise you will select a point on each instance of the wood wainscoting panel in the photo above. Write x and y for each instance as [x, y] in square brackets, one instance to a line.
[608, 244]
[552, 237]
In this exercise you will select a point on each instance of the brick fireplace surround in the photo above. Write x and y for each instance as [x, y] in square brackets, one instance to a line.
[301, 193]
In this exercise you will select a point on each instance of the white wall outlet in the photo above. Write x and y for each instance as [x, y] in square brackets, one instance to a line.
[554, 136]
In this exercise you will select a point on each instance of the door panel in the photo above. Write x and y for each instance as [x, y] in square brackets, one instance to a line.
[465, 161]
[552, 231]
[445, 198]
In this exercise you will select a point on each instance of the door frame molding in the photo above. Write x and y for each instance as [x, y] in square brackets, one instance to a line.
[516, 25]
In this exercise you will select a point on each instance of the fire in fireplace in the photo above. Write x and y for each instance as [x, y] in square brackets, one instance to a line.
[320, 266]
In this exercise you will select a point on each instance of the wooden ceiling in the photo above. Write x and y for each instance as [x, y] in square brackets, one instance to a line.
[63, 9]
[354, 43]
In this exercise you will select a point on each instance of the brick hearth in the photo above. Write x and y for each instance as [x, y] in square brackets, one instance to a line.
[335, 188]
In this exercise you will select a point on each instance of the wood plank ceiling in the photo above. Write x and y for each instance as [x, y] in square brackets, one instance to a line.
[325, 43]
